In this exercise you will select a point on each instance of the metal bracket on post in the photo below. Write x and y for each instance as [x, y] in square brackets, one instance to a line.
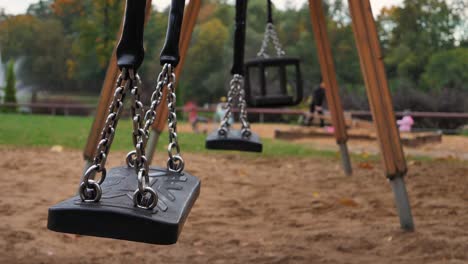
[345, 158]
[152, 144]
[402, 203]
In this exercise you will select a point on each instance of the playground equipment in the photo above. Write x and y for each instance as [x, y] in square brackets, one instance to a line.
[375, 81]
[225, 138]
[135, 202]
[266, 78]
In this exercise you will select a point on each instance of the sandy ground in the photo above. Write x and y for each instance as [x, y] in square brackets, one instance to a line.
[251, 210]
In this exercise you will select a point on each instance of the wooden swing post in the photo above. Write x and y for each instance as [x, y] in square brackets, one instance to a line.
[372, 67]
[327, 68]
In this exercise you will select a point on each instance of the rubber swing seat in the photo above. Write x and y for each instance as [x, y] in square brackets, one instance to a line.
[115, 215]
[234, 141]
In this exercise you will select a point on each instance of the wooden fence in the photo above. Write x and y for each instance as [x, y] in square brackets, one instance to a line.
[66, 109]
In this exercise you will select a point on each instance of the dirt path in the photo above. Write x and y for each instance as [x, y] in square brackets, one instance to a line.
[250, 211]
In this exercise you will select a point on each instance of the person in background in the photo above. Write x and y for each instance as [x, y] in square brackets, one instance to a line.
[221, 111]
[317, 104]
[405, 124]
[191, 108]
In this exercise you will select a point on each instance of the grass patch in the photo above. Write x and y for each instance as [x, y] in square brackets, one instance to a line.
[72, 132]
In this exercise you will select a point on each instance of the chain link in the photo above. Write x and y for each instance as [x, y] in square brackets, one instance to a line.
[145, 197]
[236, 95]
[175, 162]
[270, 34]
[90, 190]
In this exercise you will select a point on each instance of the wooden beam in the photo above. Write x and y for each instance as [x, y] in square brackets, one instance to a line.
[105, 98]
[380, 100]
[372, 66]
[327, 68]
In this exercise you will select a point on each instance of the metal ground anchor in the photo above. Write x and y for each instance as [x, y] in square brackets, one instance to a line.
[345, 158]
[151, 145]
[402, 203]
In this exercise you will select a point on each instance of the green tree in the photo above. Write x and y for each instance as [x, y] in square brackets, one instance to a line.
[40, 47]
[413, 32]
[448, 69]
[205, 62]
[10, 88]
[40, 9]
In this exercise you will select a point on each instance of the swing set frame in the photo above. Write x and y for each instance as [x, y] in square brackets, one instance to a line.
[372, 68]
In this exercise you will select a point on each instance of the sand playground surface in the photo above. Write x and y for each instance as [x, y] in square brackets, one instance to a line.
[251, 209]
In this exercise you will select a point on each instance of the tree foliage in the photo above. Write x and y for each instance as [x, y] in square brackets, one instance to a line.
[10, 87]
[65, 45]
[38, 45]
[413, 32]
[447, 69]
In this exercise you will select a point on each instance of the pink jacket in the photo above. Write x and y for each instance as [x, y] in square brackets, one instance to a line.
[405, 123]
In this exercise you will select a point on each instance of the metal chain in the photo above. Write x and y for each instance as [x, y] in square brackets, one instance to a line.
[236, 94]
[175, 163]
[145, 197]
[90, 190]
[270, 34]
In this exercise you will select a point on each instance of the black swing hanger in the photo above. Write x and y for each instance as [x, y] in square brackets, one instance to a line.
[135, 202]
[225, 138]
[267, 83]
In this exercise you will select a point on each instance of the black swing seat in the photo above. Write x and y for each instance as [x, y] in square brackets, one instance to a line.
[264, 75]
[115, 215]
[234, 141]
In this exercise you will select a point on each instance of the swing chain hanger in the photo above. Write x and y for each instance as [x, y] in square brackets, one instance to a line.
[270, 34]
[137, 159]
[90, 190]
[175, 163]
[144, 196]
[236, 92]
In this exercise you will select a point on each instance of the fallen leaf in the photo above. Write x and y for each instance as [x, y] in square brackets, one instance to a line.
[348, 202]
[365, 165]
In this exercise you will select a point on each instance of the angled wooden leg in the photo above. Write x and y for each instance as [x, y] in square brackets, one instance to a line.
[327, 68]
[380, 100]
[188, 24]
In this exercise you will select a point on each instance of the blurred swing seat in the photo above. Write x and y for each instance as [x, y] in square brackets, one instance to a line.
[273, 82]
[233, 140]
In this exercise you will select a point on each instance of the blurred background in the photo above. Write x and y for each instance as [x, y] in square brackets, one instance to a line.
[58, 51]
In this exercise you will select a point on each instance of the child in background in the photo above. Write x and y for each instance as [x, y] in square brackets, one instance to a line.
[406, 122]
[221, 111]
[191, 108]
